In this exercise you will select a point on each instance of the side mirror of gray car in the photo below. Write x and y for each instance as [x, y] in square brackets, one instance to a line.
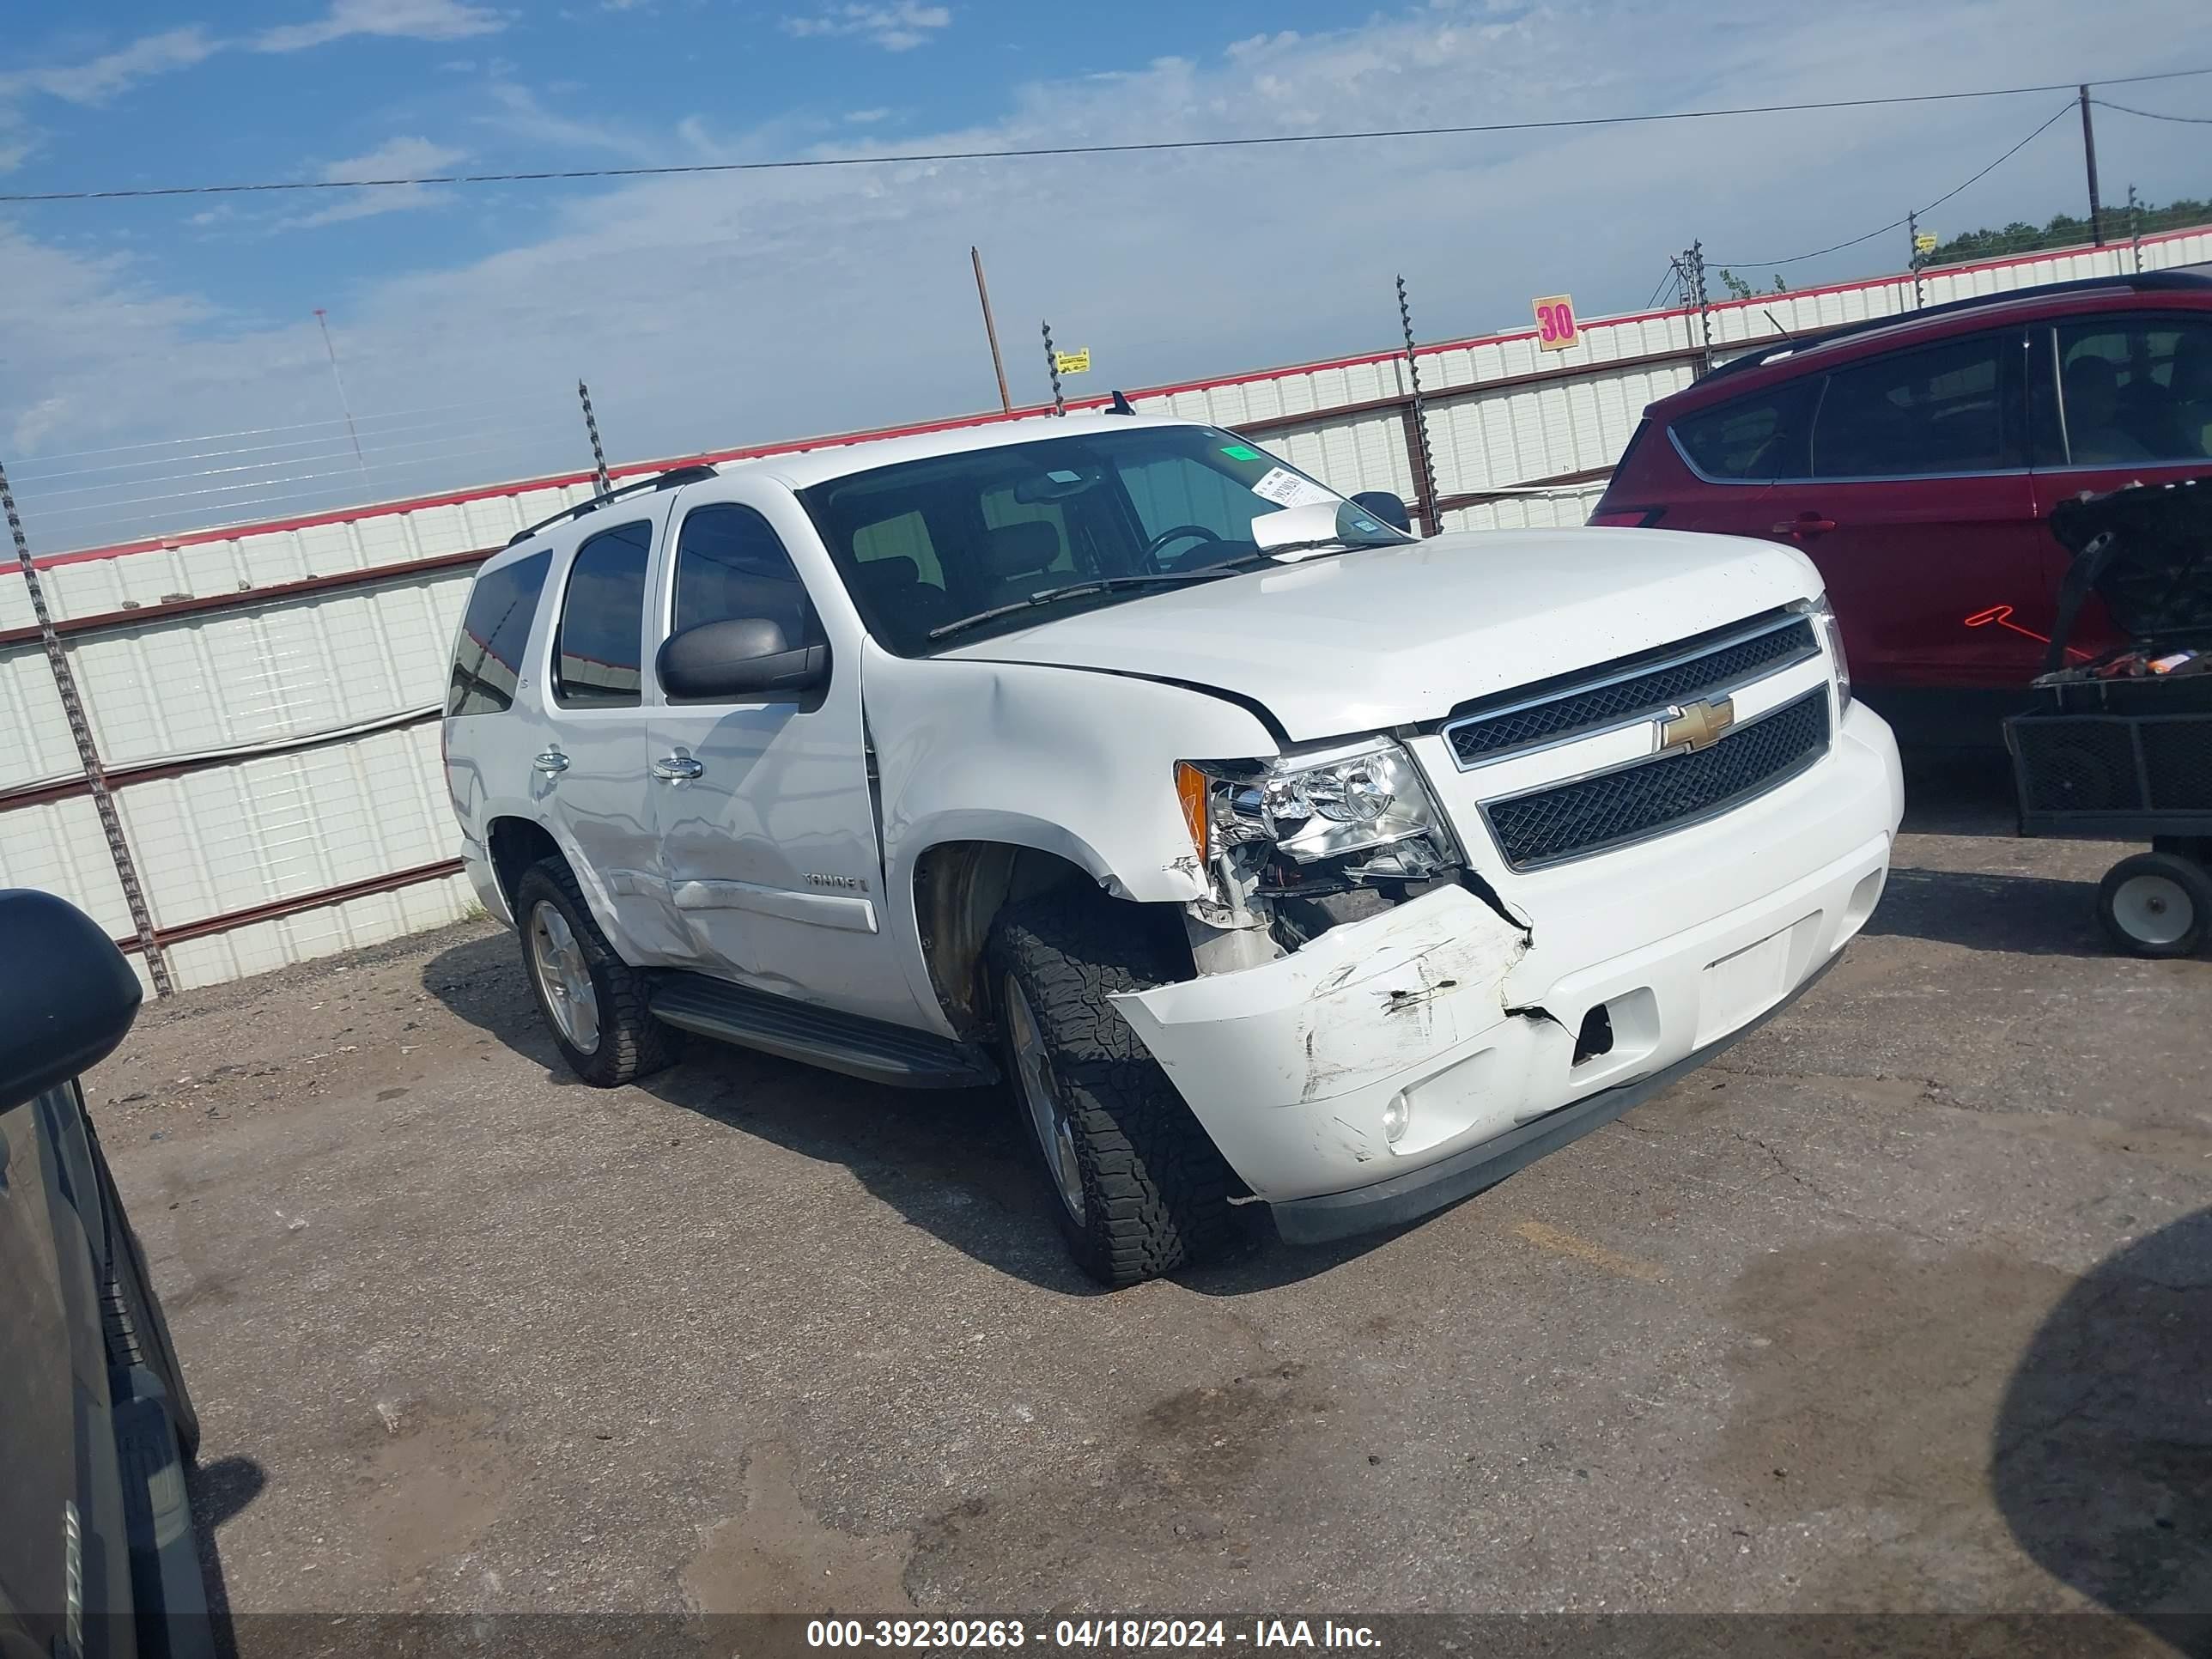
[747, 656]
[1386, 507]
[67, 997]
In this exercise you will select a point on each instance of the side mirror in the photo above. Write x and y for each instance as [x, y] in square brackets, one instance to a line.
[743, 657]
[1386, 507]
[69, 995]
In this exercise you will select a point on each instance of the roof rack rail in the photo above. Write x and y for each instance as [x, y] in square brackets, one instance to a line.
[2144, 281]
[668, 480]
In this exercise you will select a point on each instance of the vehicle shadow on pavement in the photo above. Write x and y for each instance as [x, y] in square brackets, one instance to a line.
[218, 1491]
[951, 1162]
[2025, 915]
[2101, 1459]
[1954, 792]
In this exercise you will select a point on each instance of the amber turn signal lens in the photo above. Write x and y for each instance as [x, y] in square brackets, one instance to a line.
[1191, 786]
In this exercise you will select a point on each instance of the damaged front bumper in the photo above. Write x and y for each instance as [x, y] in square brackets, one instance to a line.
[1417, 1020]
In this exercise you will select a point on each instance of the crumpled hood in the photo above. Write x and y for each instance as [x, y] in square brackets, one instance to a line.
[1354, 643]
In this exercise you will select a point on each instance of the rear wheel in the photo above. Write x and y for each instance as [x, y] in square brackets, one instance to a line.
[2156, 904]
[593, 1000]
[1134, 1183]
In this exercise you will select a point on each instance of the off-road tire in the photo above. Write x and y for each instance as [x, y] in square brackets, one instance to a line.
[1155, 1191]
[632, 1042]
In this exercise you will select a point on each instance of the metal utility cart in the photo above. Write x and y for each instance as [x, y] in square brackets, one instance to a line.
[2119, 746]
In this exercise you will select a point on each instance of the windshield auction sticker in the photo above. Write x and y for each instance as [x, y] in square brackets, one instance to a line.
[1285, 489]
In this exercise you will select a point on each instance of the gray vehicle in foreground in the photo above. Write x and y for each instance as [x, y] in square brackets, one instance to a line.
[97, 1552]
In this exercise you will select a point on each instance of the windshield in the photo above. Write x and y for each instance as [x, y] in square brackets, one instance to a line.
[927, 543]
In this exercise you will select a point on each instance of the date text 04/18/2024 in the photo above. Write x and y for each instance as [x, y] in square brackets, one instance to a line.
[1087, 1634]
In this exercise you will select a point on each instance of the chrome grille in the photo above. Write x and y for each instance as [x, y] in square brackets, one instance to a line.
[1609, 809]
[1631, 693]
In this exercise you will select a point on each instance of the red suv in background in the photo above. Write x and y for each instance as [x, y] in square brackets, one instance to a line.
[1915, 459]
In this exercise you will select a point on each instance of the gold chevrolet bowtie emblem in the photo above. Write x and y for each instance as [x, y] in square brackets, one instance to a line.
[1695, 726]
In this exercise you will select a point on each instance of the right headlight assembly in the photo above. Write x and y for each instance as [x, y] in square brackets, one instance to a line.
[1361, 810]
[1832, 634]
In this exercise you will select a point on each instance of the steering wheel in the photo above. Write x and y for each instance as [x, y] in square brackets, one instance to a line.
[1178, 533]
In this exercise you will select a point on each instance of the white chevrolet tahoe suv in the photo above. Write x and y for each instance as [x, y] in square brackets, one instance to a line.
[1265, 852]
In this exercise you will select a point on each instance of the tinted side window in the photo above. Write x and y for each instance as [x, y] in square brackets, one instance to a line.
[1755, 439]
[1919, 413]
[731, 564]
[595, 653]
[488, 659]
[2134, 389]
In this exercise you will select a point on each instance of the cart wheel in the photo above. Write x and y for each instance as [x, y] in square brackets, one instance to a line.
[2155, 904]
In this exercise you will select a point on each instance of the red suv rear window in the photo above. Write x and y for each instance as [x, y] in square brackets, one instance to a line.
[1753, 439]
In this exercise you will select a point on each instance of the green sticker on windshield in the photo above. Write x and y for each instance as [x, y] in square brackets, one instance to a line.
[1241, 452]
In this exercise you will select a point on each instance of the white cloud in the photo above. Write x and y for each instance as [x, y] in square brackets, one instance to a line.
[861, 118]
[398, 158]
[410, 20]
[98, 79]
[900, 27]
[718, 310]
[521, 116]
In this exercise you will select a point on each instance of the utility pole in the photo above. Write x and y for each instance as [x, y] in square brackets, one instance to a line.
[2135, 228]
[1052, 368]
[1426, 484]
[591, 430]
[1912, 241]
[2089, 156]
[331, 351]
[991, 329]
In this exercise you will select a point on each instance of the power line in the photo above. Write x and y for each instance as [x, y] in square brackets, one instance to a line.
[442, 440]
[1883, 230]
[2155, 114]
[465, 424]
[259, 431]
[1043, 150]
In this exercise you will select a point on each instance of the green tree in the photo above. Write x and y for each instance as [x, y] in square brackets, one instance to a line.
[2065, 230]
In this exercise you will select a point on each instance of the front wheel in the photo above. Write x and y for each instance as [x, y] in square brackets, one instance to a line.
[1134, 1183]
[2156, 904]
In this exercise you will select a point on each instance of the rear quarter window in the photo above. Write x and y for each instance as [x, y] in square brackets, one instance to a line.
[1755, 439]
[494, 630]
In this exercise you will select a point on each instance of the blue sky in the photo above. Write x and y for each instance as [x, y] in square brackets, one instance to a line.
[720, 310]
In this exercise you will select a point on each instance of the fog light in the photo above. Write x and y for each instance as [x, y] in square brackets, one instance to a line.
[1395, 1115]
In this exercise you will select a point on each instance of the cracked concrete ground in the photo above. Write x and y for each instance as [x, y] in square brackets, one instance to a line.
[1901, 1306]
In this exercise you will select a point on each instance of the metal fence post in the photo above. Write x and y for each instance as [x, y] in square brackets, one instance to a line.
[88, 753]
[1424, 455]
[591, 427]
[1052, 368]
[1693, 266]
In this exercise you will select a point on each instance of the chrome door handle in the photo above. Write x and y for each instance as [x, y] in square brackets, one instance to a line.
[676, 767]
[552, 763]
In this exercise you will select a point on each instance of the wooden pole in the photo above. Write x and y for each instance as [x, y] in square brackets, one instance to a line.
[990, 328]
